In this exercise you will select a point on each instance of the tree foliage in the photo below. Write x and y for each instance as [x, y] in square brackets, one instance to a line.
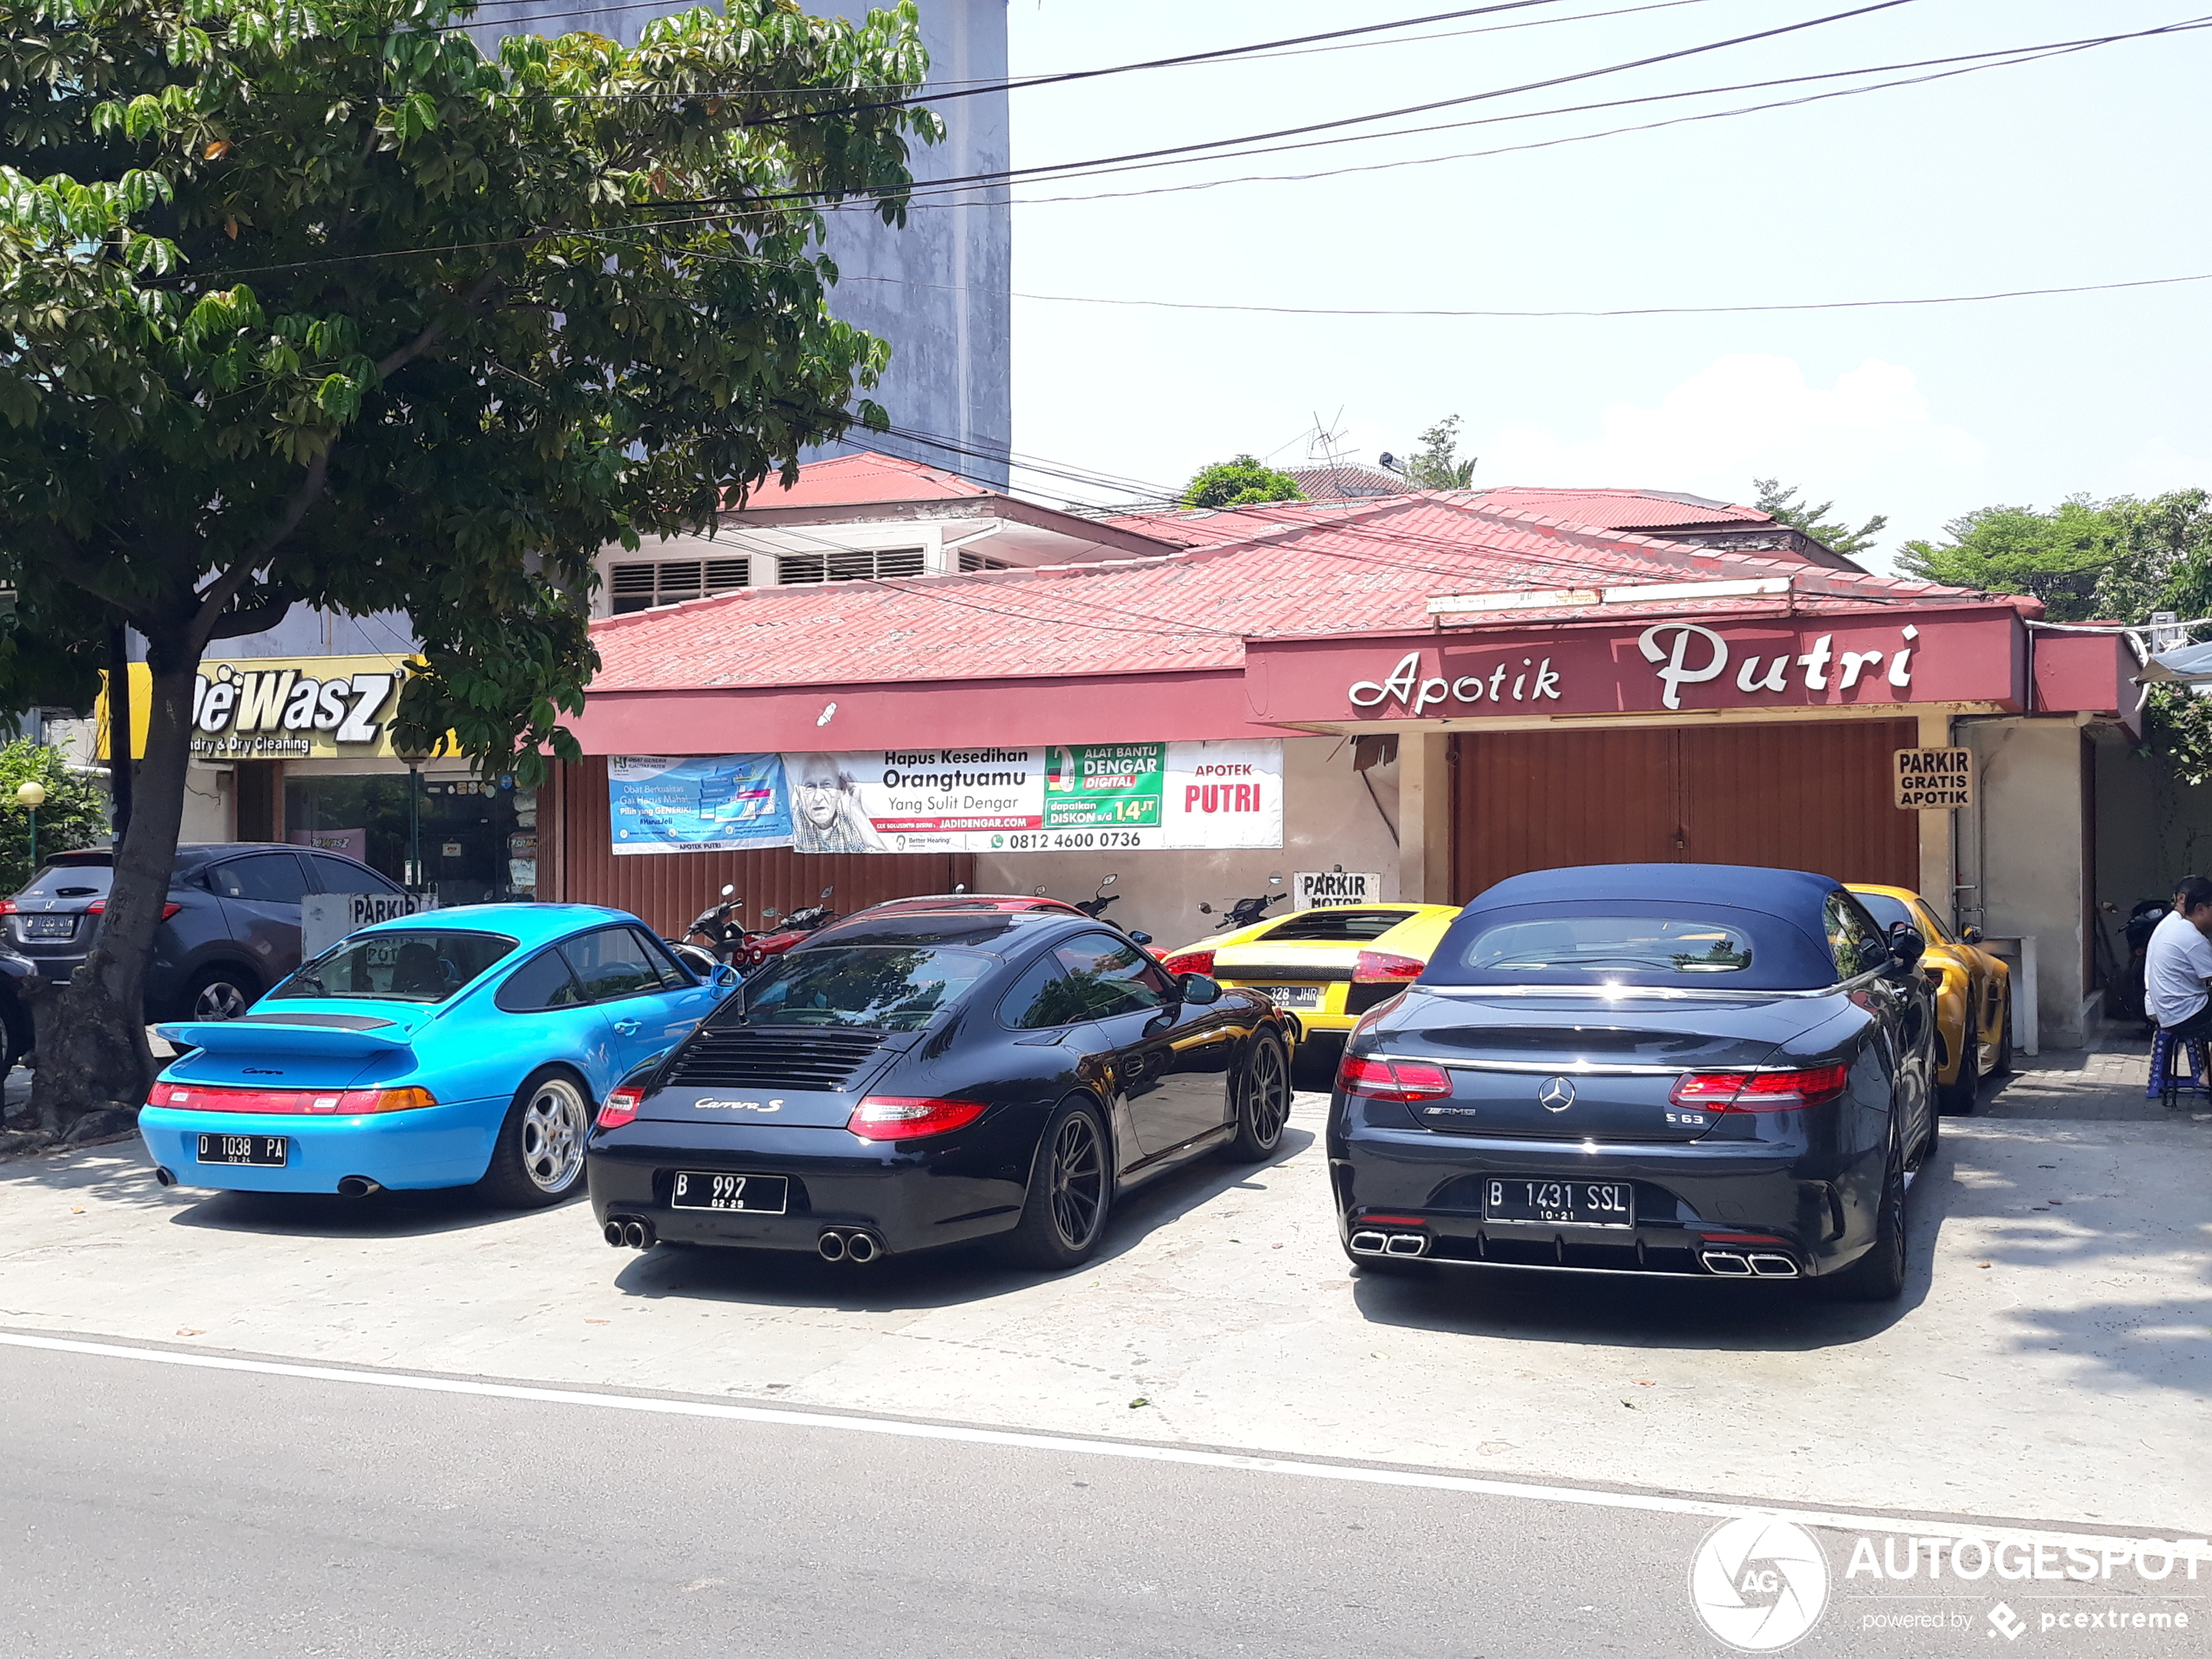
[1241, 482]
[1437, 465]
[73, 814]
[2060, 556]
[319, 302]
[1836, 537]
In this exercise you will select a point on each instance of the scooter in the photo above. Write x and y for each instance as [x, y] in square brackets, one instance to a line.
[1096, 905]
[792, 930]
[1247, 912]
[718, 926]
[2130, 1002]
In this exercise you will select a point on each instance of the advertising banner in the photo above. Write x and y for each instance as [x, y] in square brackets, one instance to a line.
[275, 708]
[697, 804]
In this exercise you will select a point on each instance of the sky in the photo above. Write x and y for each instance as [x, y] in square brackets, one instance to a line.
[2075, 170]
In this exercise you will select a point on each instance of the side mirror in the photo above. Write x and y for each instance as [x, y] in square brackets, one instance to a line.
[1107, 881]
[1205, 909]
[772, 915]
[1142, 937]
[1973, 936]
[826, 894]
[724, 977]
[727, 889]
[1038, 892]
[1275, 880]
[1906, 947]
[1197, 989]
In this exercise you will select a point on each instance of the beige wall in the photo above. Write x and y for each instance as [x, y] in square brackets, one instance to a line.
[210, 806]
[2022, 847]
[1329, 818]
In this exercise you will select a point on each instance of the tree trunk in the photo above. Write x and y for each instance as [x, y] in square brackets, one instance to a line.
[91, 1036]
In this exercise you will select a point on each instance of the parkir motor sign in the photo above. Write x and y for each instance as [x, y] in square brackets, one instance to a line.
[1934, 780]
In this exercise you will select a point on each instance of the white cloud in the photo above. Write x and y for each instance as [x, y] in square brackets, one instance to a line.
[1744, 416]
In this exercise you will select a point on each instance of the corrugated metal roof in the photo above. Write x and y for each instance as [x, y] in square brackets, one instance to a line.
[848, 480]
[1617, 508]
[1298, 569]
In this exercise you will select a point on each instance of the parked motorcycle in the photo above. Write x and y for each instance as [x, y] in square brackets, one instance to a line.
[2128, 999]
[1096, 905]
[723, 935]
[789, 930]
[1246, 912]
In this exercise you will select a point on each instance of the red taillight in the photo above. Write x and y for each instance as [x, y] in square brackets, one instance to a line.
[332, 1102]
[7, 907]
[1760, 1091]
[908, 1117]
[1189, 962]
[1392, 1079]
[622, 1106]
[98, 908]
[1380, 968]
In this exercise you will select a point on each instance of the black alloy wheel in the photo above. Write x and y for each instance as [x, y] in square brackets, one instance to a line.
[1071, 1187]
[222, 993]
[1960, 1097]
[1262, 1100]
[2003, 1063]
[1878, 1276]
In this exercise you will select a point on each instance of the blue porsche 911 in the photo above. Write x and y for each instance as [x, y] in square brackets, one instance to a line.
[464, 1047]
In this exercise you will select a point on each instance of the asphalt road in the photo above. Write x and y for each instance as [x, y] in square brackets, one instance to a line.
[180, 1508]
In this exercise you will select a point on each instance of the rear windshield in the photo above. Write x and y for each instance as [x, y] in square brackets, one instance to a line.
[71, 881]
[425, 965]
[1335, 927]
[886, 988]
[1888, 912]
[1718, 948]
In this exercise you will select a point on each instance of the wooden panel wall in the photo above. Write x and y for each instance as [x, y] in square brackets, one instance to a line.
[1807, 796]
[668, 889]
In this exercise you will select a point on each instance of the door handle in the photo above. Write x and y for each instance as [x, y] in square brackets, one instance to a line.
[628, 1027]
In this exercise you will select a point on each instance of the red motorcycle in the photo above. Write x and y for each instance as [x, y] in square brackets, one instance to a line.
[794, 930]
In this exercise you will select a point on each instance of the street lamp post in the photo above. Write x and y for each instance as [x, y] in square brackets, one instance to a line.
[413, 759]
[31, 794]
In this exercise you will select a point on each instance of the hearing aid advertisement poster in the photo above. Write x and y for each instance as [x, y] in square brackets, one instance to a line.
[1053, 797]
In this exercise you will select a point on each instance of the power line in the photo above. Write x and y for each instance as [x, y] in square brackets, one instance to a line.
[1005, 175]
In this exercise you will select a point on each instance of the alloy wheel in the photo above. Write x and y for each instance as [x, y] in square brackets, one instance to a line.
[1267, 1092]
[553, 1127]
[219, 1000]
[1078, 1180]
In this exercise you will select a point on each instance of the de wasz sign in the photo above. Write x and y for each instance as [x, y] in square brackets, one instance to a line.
[1964, 654]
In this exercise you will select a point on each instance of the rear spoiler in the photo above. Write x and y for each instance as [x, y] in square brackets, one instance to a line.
[333, 1035]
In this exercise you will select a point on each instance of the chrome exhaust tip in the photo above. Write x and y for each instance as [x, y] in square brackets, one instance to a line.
[1727, 1263]
[863, 1248]
[356, 1186]
[614, 1233]
[163, 1175]
[1768, 1266]
[1407, 1244]
[637, 1235]
[832, 1247]
[1368, 1244]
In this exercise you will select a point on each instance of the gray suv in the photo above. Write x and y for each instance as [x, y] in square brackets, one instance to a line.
[230, 930]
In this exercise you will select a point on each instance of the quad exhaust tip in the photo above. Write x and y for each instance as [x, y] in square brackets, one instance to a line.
[1730, 1264]
[848, 1244]
[625, 1234]
[1369, 1241]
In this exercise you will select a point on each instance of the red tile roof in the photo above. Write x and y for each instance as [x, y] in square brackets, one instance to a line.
[1617, 508]
[856, 479]
[1303, 569]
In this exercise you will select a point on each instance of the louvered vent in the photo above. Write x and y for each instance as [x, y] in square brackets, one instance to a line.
[977, 562]
[812, 568]
[640, 587]
[758, 1057]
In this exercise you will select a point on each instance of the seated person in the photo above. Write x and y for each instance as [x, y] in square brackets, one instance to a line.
[2177, 965]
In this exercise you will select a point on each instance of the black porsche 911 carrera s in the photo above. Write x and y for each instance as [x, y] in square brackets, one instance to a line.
[916, 1077]
[1701, 1069]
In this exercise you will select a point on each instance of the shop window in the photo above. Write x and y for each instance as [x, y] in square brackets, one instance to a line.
[857, 566]
[644, 586]
[343, 875]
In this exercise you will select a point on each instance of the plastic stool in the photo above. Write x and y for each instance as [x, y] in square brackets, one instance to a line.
[2164, 1082]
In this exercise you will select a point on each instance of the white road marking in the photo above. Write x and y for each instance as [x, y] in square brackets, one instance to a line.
[1651, 1503]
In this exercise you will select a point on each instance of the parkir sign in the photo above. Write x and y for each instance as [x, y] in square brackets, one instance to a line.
[1934, 780]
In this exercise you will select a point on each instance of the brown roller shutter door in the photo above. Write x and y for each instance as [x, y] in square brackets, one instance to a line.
[1815, 796]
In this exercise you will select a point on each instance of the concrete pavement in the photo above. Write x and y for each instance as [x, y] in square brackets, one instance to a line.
[2050, 1361]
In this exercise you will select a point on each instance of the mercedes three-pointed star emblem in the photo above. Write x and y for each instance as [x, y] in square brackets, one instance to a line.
[1555, 1094]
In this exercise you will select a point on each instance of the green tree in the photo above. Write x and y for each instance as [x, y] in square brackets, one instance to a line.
[1438, 465]
[320, 303]
[1836, 537]
[1241, 482]
[73, 814]
[2060, 556]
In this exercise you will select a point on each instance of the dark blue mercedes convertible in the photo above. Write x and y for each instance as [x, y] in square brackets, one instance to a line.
[1703, 1069]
